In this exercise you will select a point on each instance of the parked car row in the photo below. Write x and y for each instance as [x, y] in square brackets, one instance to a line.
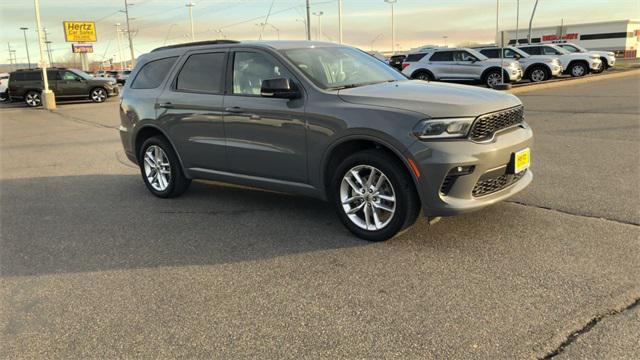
[27, 84]
[121, 76]
[534, 62]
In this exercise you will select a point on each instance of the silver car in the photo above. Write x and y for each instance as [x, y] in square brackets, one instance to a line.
[459, 64]
[322, 120]
[536, 67]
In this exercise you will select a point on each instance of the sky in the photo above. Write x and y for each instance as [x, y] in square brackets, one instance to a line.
[366, 23]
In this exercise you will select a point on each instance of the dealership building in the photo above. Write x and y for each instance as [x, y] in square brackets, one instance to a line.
[621, 37]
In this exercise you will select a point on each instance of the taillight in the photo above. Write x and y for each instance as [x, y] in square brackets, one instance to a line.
[404, 65]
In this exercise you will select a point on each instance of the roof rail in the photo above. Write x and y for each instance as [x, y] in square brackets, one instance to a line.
[196, 43]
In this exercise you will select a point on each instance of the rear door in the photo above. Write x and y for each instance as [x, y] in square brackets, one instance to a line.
[191, 109]
[442, 65]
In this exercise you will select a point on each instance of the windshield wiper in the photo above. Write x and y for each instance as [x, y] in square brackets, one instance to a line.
[349, 86]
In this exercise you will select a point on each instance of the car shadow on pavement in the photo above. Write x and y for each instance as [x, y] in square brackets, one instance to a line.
[102, 222]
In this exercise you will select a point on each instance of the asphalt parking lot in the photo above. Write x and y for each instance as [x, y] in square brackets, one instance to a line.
[93, 266]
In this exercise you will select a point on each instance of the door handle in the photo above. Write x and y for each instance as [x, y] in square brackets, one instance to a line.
[166, 105]
[235, 109]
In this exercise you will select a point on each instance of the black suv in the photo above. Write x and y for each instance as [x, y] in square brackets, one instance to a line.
[65, 83]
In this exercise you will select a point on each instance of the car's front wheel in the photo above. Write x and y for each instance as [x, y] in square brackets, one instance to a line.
[98, 95]
[374, 195]
[493, 78]
[539, 74]
[579, 69]
[160, 168]
[33, 98]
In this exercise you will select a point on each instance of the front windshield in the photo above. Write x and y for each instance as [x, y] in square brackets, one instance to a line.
[561, 50]
[82, 74]
[341, 67]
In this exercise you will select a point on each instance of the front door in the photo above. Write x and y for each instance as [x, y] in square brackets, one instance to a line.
[467, 65]
[266, 137]
[71, 84]
[190, 109]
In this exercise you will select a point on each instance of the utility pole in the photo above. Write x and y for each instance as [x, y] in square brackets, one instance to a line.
[126, 13]
[26, 45]
[47, 97]
[120, 57]
[190, 5]
[319, 29]
[48, 44]
[517, 20]
[531, 21]
[340, 21]
[10, 54]
[308, 21]
[393, 27]
[498, 21]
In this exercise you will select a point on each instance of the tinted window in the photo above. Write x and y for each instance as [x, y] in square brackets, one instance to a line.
[532, 50]
[548, 50]
[152, 73]
[250, 69]
[26, 76]
[491, 53]
[414, 57]
[202, 73]
[442, 56]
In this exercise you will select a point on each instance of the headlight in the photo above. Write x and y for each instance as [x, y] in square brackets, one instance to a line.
[443, 128]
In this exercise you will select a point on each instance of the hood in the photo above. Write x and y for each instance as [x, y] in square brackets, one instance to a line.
[601, 53]
[433, 99]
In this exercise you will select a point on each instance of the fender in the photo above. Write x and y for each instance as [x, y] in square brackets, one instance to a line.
[497, 68]
[422, 70]
[145, 126]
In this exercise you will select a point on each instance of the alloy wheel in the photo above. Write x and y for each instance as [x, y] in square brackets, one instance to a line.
[157, 168]
[493, 79]
[98, 95]
[578, 70]
[33, 99]
[538, 75]
[367, 197]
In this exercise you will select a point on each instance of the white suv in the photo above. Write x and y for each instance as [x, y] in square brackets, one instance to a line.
[536, 68]
[575, 64]
[608, 58]
[459, 64]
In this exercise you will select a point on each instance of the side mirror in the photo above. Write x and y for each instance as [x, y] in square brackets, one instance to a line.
[281, 88]
[79, 79]
[474, 60]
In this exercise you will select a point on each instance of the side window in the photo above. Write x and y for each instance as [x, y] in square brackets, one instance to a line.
[442, 56]
[414, 57]
[152, 73]
[68, 75]
[490, 53]
[202, 73]
[532, 50]
[53, 75]
[251, 68]
[548, 50]
[509, 54]
[463, 56]
[569, 48]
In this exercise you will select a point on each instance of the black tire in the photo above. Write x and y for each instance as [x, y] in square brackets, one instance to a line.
[605, 64]
[578, 69]
[178, 183]
[423, 75]
[98, 94]
[407, 204]
[488, 78]
[33, 98]
[539, 74]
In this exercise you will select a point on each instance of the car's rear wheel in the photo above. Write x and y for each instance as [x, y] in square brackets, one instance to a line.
[33, 98]
[374, 195]
[578, 69]
[423, 75]
[98, 95]
[539, 74]
[160, 168]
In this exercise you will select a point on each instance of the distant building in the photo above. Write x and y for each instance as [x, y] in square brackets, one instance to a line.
[621, 37]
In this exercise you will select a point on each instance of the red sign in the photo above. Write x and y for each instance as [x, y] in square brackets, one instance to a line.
[572, 36]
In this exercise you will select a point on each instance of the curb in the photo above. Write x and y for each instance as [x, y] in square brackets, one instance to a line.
[566, 82]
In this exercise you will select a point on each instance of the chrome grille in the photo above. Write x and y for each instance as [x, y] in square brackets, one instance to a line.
[485, 126]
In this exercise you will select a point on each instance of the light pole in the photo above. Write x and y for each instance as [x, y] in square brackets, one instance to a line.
[126, 13]
[393, 27]
[120, 57]
[190, 5]
[517, 20]
[319, 29]
[26, 45]
[445, 40]
[531, 21]
[47, 97]
[340, 21]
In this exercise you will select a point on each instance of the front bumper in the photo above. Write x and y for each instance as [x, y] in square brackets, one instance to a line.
[595, 64]
[113, 91]
[556, 70]
[435, 159]
[611, 61]
[515, 75]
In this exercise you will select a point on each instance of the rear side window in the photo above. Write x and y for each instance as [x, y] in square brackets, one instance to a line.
[152, 73]
[26, 76]
[414, 57]
[532, 50]
[442, 56]
[491, 53]
[202, 73]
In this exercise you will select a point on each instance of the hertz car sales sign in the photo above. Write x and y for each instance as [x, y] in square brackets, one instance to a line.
[79, 31]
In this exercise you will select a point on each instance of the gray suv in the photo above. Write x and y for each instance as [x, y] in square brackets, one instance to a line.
[322, 120]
